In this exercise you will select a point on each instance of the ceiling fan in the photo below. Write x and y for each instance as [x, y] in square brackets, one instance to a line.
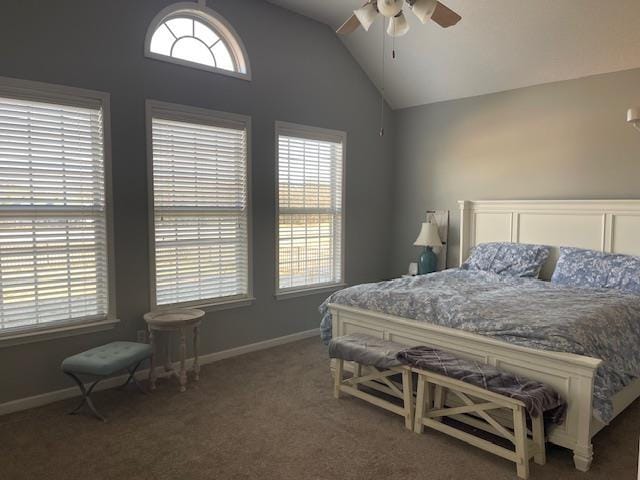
[392, 9]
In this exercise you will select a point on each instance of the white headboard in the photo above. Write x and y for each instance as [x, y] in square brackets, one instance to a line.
[605, 225]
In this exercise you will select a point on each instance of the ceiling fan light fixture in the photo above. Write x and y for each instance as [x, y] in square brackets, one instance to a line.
[633, 117]
[423, 9]
[366, 15]
[390, 8]
[398, 26]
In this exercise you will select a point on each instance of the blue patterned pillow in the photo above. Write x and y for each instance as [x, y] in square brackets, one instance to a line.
[504, 258]
[578, 267]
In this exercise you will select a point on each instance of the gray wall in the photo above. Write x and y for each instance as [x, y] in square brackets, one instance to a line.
[301, 73]
[565, 140]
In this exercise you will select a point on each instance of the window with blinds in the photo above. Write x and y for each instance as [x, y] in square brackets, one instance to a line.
[53, 222]
[199, 208]
[310, 218]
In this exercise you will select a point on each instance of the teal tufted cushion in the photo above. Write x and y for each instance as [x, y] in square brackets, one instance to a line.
[107, 359]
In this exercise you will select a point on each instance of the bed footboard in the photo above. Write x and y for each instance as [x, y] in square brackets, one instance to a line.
[571, 375]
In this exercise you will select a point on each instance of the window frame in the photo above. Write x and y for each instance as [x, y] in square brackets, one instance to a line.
[189, 114]
[83, 98]
[320, 134]
[213, 20]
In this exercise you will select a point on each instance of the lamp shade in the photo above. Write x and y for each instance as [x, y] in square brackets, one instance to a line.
[398, 26]
[390, 8]
[633, 115]
[424, 9]
[428, 236]
[366, 15]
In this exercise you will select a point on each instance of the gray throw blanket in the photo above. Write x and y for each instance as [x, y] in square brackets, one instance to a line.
[537, 397]
[366, 350]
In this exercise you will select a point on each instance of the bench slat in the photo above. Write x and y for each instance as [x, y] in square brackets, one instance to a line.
[471, 439]
[447, 412]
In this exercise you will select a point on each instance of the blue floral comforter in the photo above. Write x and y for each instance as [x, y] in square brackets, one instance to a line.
[600, 323]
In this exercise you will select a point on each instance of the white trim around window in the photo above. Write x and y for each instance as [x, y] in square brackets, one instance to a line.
[213, 20]
[47, 96]
[214, 124]
[327, 149]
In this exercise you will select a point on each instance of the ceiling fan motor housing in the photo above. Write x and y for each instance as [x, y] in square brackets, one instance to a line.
[390, 8]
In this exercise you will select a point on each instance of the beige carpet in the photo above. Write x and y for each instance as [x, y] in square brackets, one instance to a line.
[269, 415]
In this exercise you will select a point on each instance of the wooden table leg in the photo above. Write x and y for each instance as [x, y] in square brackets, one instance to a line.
[183, 356]
[152, 367]
[168, 366]
[196, 364]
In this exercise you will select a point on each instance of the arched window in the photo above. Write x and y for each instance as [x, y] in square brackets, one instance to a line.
[193, 35]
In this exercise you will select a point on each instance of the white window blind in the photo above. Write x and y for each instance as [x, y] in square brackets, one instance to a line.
[53, 232]
[200, 211]
[310, 220]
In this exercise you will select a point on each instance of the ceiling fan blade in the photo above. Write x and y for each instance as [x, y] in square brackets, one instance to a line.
[350, 26]
[444, 16]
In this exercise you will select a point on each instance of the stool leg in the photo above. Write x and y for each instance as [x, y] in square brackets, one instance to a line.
[152, 366]
[80, 405]
[83, 390]
[337, 377]
[520, 436]
[407, 391]
[132, 379]
[93, 409]
[537, 429]
[86, 392]
[418, 426]
[183, 357]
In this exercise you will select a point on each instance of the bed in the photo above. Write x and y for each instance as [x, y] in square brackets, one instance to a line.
[610, 226]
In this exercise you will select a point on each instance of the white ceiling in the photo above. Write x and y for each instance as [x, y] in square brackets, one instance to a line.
[498, 45]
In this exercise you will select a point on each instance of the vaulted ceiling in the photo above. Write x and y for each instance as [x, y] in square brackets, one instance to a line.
[498, 45]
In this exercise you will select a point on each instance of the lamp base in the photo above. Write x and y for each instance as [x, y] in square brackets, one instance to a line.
[427, 262]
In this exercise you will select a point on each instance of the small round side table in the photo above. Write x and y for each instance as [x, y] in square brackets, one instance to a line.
[179, 320]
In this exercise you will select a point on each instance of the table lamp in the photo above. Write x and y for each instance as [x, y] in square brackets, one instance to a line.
[428, 238]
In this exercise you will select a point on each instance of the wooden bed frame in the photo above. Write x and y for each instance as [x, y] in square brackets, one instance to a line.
[611, 226]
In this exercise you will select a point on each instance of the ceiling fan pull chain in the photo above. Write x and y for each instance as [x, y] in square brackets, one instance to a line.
[382, 89]
[393, 47]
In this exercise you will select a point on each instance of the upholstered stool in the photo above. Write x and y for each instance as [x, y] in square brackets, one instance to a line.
[375, 363]
[102, 362]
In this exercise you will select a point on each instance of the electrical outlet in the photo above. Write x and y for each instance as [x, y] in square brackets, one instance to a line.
[142, 336]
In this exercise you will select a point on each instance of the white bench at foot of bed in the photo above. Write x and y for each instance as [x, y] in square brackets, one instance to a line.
[571, 375]
[430, 411]
[365, 375]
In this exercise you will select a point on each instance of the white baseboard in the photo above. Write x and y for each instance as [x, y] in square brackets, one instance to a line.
[56, 395]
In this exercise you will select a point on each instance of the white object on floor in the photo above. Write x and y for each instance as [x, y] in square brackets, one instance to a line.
[174, 320]
[431, 409]
[365, 375]
[374, 363]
